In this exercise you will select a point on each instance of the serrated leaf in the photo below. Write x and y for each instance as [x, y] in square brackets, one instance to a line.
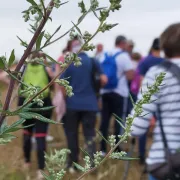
[11, 58]
[39, 40]
[31, 115]
[77, 29]
[2, 64]
[32, 2]
[79, 167]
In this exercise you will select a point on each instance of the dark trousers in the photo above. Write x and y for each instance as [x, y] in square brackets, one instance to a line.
[71, 122]
[112, 103]
[39, 129]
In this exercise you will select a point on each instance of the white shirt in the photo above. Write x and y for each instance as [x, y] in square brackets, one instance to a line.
[168, 99]
[124, 63]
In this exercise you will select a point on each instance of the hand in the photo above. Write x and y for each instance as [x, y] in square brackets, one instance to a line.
[104, 80]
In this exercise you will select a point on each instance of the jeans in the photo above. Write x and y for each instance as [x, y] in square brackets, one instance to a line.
[112, 103]
[71, 122]
[151, 177]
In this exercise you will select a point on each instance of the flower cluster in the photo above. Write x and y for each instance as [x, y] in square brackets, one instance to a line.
[60, 174]
[32, 90]
[104, 14]
[88, 47]
[86, 36]
[82, 6]
[94, 4]
[115, 5]
[56, 161]
[57, 3]
[98, 158]
[87, 163]
[65, 84]
[47, 35]
[112, 140]
[4, 141]
[118, 155]
[72, 57]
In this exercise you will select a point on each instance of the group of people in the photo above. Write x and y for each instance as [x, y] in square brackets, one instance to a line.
[110, 78]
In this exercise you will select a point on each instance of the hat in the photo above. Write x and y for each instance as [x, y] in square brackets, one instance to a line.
[120, 39]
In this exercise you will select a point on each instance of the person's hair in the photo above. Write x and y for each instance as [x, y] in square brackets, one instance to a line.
[120, 39]
[136, 56]
[170, 41]
[155, 45]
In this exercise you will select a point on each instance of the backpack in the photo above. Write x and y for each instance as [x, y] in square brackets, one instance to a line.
[36, 75]
[96, 81]
[109, 68]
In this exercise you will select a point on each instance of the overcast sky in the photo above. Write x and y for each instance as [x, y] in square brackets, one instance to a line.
[140, 20]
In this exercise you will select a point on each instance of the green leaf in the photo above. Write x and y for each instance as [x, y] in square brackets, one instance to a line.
[117, 117]
[120, 124]
[77, 29]
[79, 167]
[39, 40]
[2, 64]
[32, 2]
[51, 59]
[31, 115]
[39, 109]
[81, 18]
[87, 154]
[102, 137]
[11, 58]
[22, 42]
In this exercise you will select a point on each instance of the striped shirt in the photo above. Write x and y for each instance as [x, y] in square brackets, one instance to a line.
[168, 100]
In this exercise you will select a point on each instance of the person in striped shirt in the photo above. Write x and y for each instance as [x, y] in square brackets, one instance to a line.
[168, 100]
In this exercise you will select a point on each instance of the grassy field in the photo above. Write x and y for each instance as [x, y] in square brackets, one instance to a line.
[11, 163]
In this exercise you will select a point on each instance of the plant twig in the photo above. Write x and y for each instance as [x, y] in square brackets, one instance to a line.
[23, 58]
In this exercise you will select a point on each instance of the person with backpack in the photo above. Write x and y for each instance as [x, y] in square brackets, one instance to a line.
[163, 161]
[118, 68]
[82, 106]
[35, 74]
